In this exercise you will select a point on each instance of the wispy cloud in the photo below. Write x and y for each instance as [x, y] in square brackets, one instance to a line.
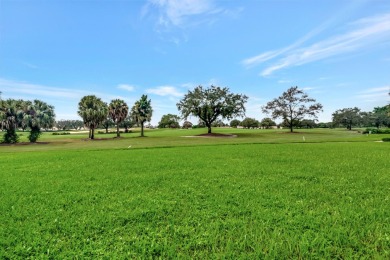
[19, 87]
[378, 94]
[363, 33]
[126, 87]
[165, 91]
[178, 12]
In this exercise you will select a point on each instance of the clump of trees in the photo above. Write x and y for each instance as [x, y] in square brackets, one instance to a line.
[24, 114]
[169, 121]
[354, 117]
[210, 104]
[69, 124]
[293, 105]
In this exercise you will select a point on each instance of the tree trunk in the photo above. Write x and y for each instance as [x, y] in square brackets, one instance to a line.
[117, 130]
[142, 129]
[93, 133]
[89, 133]
[209, 129]
[291, 127]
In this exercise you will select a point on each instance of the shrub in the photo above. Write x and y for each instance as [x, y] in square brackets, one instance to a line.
[376, 131]
[387, 139]
[64, 133]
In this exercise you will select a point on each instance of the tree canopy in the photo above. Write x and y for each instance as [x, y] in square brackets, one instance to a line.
[212, 103]
[169, 121]
[93, 111]
[118, 111]
[291, 106]
[142, 112]
[347, 117]
[38, 115]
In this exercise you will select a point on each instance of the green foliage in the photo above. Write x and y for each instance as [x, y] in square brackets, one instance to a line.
[169, 121]
[187, 124]
[69, 124]
[61, 133]
[142, 112]
[376, 131]
[387, 139]
[234, 123]
[347, 117]
[38, 114]
[252, 201]
[10, 137]
[93, 111]
[212, 103]
[118, 111]
[291, 107]
[35, 133]
[267, 123]
[250, 123]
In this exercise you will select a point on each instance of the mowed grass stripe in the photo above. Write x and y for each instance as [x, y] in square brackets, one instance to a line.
[327, 200]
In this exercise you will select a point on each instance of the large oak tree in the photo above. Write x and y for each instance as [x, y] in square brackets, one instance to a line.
[212, 103]
[292, 106]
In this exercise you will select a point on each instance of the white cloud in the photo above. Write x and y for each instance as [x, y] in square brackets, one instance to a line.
[35, 90]
[378, 94]
[177, 12]
[126, 87]
[165, 91]
[367, 32]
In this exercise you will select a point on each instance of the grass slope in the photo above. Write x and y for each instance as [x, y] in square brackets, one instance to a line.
[242, 200]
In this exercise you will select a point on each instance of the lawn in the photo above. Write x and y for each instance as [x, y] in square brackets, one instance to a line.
[260, 195]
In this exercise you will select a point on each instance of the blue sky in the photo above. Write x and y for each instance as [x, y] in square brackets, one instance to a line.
[338, 51]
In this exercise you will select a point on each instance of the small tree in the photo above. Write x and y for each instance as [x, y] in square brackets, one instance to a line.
[142, 112]
[250, 123]
[9, 110]
[187, 124]
[211, 103]
[93, 111]
[267, 123]
[347, 117]
[169, 121]
[118, 111]
[234, 123]
[38, 115]
[291, 106]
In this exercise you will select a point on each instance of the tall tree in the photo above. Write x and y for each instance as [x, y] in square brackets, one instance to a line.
[118, 111]
[291, 106]
[9, 114]
[347, 117]
[93, 111]
[142, 112]
[169, 121]
[211, 103]
[38, 114]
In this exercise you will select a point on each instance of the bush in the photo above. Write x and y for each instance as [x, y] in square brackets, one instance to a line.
[376, 131]
[387, 139]
[64, 133]
[34, 134]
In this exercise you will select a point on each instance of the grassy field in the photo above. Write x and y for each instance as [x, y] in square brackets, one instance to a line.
[264, 194]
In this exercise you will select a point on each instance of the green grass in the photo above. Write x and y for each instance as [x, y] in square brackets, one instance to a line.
[260, 195]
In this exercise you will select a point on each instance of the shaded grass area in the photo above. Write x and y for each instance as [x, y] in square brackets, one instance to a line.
[300, 200]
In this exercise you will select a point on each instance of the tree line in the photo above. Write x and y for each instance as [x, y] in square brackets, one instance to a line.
[211, 105]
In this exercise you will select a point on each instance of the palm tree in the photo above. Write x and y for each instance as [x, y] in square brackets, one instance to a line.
[118, 111]
[37, 115]
[9, 111]
[93, 111]
[142, 112]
